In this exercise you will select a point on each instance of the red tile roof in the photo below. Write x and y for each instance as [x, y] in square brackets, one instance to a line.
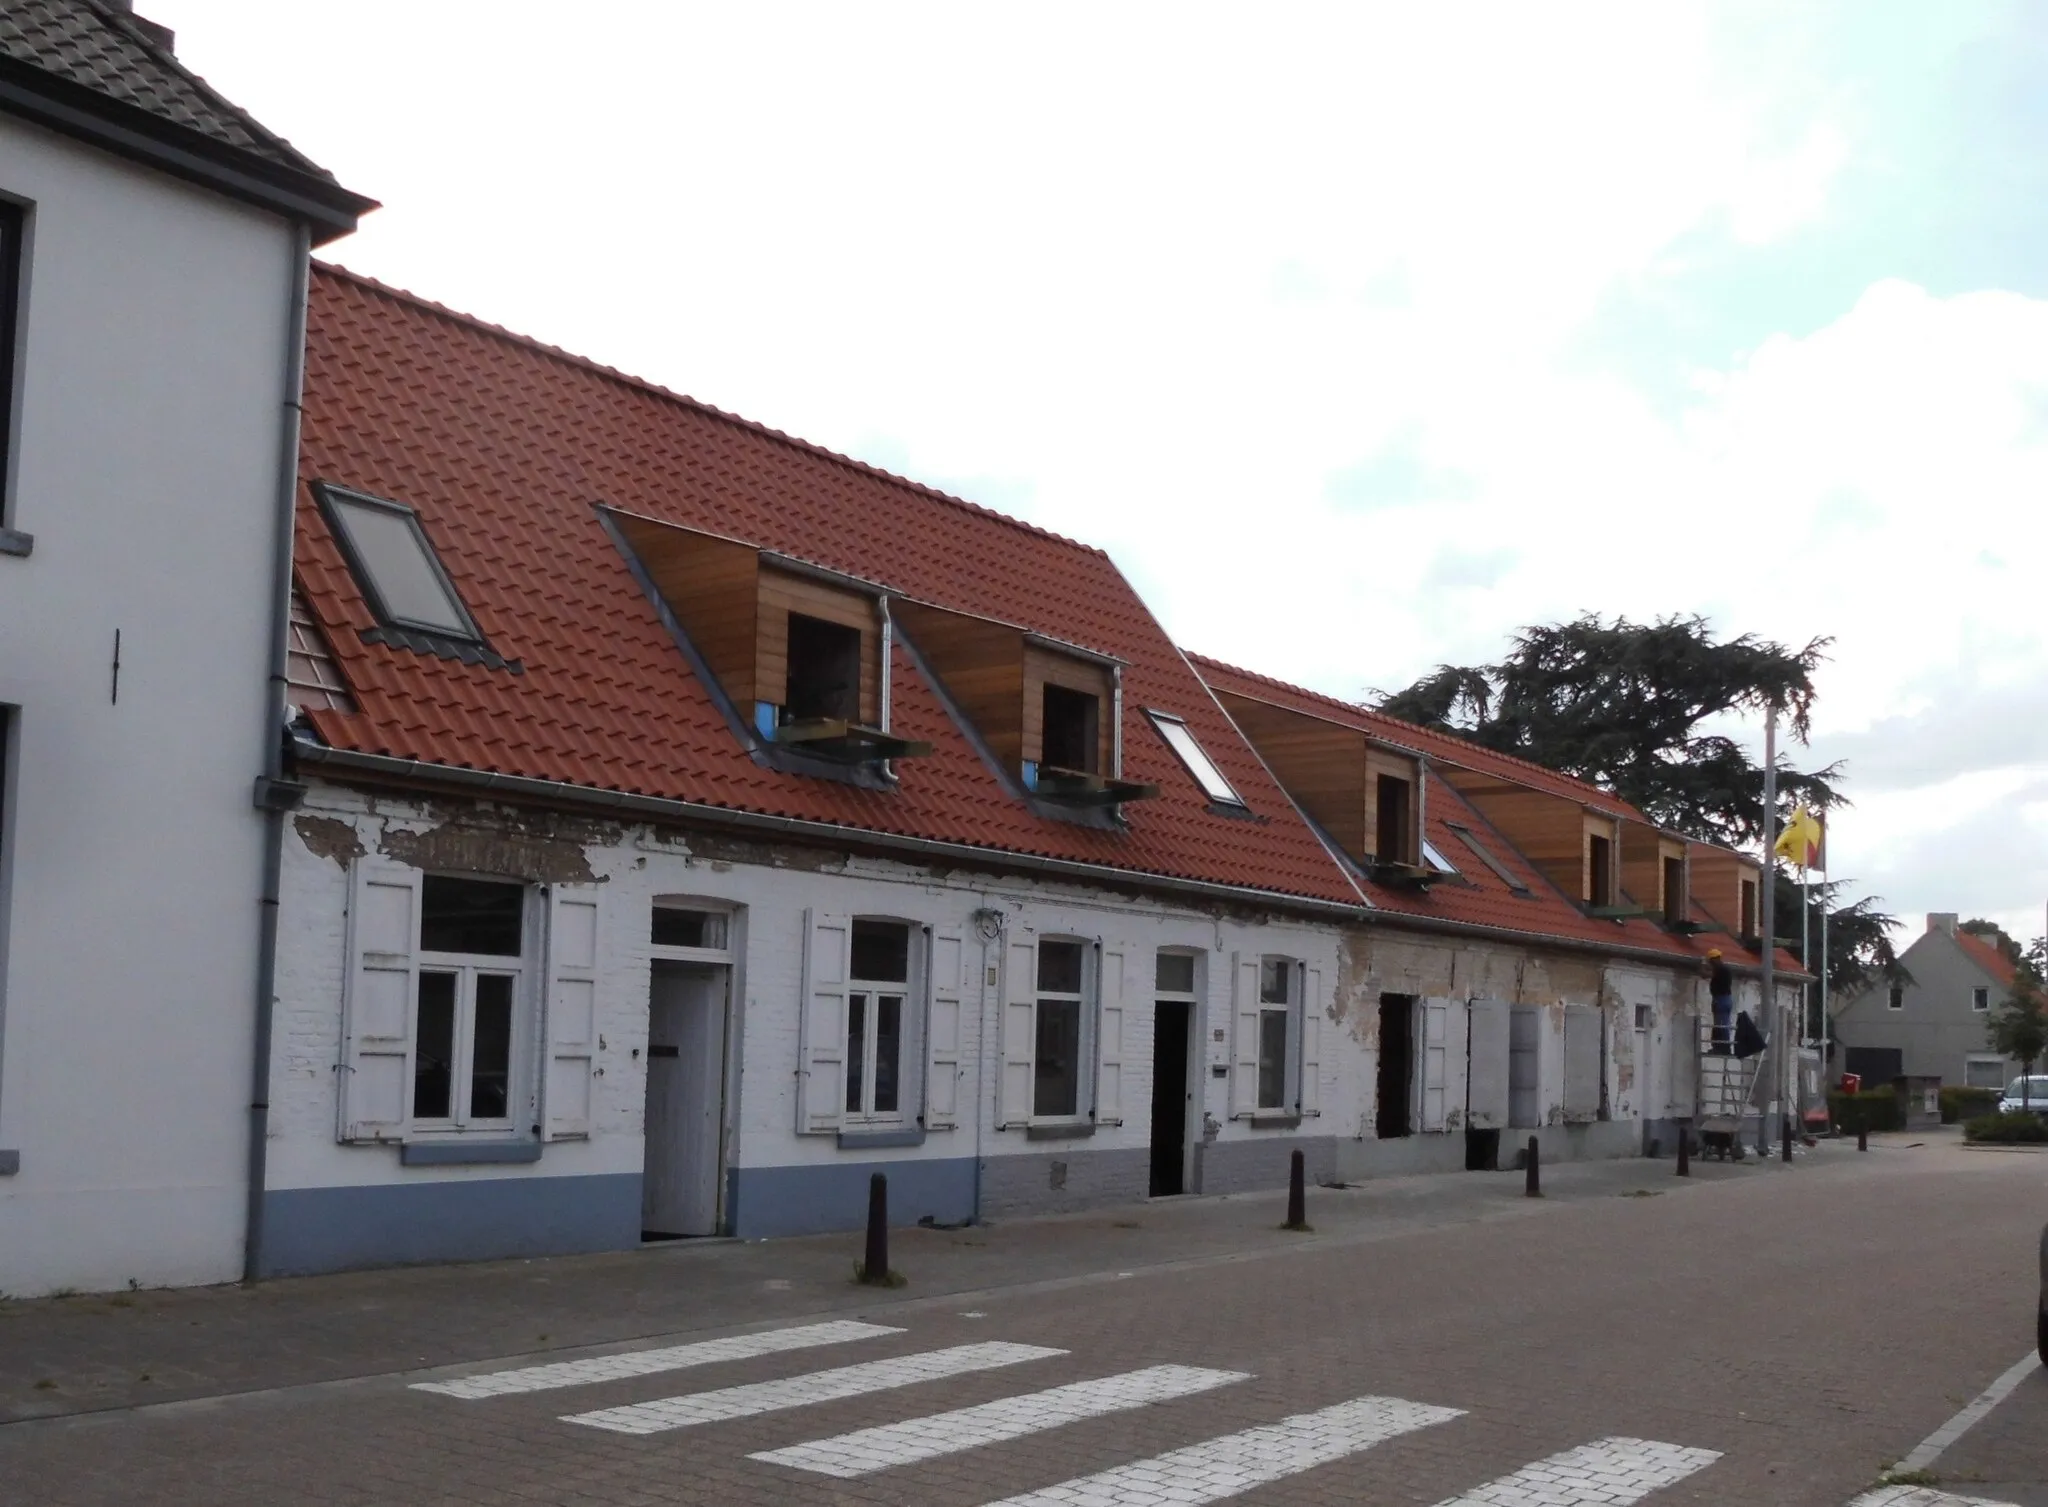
[505, 446]
[1987, 956]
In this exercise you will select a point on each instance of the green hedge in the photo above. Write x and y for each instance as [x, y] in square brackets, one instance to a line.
[1967, 1103]
[1872, 1109]
[2006, 1128]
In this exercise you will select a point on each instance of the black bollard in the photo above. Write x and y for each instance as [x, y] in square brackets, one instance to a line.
[875, 1270]
[1533, 1186]
[1297, 1192]
[1684, 1152]
[1862, 1137]
[1785, 1145]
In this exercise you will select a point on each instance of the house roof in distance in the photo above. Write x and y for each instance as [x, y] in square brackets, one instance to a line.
[94, 70]
[1987, 956]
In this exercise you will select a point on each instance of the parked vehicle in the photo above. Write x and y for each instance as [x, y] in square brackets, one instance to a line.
[2025, 1095]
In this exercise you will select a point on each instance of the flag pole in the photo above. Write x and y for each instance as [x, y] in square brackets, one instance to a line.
[1766, 920]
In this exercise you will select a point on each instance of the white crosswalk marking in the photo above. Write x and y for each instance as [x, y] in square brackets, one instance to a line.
[1223, 1467]
[576, 1373]
[1920, 1496]
[869, 1450]
[1605, 1473]
[800, 1391]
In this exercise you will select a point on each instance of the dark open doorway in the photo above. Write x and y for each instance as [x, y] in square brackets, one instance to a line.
[1397, 1065]
[1170, 1097]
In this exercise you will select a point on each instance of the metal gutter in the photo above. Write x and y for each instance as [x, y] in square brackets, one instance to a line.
[275, 794]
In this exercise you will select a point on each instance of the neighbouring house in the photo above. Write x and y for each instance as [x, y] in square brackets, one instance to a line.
[1933, 1024]
[153, 255]
[697, 822]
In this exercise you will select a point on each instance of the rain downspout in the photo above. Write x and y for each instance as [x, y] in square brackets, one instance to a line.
[275, 793]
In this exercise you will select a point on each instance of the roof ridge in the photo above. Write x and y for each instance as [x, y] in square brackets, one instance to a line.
[1373, 711]
[670, 395]
[129, 25]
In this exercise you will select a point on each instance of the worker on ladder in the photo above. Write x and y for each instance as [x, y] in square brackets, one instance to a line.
[1721, 989]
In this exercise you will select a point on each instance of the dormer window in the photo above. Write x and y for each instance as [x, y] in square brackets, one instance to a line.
[1071, 740]
[1748, 917]
[1675, 898]
[823, 680]
[1394, 828]
[1599, 871]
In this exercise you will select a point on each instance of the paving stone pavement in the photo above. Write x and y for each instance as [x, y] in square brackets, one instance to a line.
[1768, 1337]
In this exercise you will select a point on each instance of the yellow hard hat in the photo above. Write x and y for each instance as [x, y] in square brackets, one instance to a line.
[1713, 952]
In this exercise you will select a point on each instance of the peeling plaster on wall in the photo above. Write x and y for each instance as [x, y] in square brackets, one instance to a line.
[513, 850]
[329, 837]
[717, 850]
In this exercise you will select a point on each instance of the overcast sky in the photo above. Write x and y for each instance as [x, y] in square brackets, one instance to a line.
[1358, 336]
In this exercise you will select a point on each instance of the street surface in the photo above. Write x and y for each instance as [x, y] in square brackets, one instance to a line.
[1755, 1335]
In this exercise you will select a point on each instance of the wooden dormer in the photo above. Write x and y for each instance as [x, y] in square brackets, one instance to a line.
[1727, 884]
[800, 652]
[1047, 712]
[1550, 831]
[1654, 873]
[1366, 794]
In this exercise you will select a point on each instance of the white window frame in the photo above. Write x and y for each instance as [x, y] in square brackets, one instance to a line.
[1432, 856]
[1290, 971]
[468, 967]
[1207, 775]
[1984, 1059]
[721, 908]
[1087, 1001]
[907, 991]
[336, 501]
[1980, 999]
[1895, 996]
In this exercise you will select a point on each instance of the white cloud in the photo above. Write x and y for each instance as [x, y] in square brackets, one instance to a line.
[1154, 276]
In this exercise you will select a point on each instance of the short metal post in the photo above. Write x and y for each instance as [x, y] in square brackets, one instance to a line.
[1533, 1185]
[875, 1269]
[1862, 1137]
[1684, 1151]
[1785, 1141]
[1297, 1192]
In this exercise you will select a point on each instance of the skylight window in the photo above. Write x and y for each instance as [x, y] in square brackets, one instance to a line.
[395, 565]
[1436, 860]
[1506, 875]
[1199, 764]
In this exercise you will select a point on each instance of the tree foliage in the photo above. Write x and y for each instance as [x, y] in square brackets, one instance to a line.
[1996, 935]
[2019, 1027]
[1631, 706]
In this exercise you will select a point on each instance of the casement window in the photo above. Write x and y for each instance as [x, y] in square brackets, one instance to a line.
[1895, 997]
[1676, 901]
[1276, 1056]
[1983, 1072]
[1393, 827]
[1198, 762]
[1062, 1031]
[1599, 892]
[1980, 1000]
[1072, 730]
[1748, 909]
[879, 1043]
[466, 1013]
[822, 678]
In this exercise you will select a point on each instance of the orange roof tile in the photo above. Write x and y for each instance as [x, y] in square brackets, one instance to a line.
[1987, 956]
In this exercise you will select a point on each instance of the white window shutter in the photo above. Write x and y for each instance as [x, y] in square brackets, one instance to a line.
[375, 1070]
[1582, 1055]
[568, 1070]
[1309, 1099]
[821, 1047]
[1020, 1028]
[1244, 1043]
[1487, 1098]
[1113, 1011]
[1456, 1067]
[942, 1028]
[1435, 1049]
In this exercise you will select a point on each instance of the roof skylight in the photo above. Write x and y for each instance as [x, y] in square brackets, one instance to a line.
[1199, 764]
[1436, 860]
[1479, 849]
[395, 565]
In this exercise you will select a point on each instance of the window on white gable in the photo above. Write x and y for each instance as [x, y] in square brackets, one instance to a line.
[395, 565]
[1199, 764]
[1980, 999]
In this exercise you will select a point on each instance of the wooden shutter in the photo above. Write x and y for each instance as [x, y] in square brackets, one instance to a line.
[375, 1070]
[1486, 1087]
[570, 1026]
[1019, 1029]
[1244, 1043]
[1112, 1010]
[1435, 1044]
[942, 1028]
[821, 1031]
[1581, 1062]
[1309, 1095]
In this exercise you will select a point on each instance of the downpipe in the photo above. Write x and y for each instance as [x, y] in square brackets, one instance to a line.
[275, 794]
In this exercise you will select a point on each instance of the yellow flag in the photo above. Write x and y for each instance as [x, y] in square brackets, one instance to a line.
[1800, 842]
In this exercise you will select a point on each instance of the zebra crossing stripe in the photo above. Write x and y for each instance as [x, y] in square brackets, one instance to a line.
[800, 1391]
[869, 1450]
[1920, 1496]
[1606, 1473]
[577, 1373]
[1223, 1467]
